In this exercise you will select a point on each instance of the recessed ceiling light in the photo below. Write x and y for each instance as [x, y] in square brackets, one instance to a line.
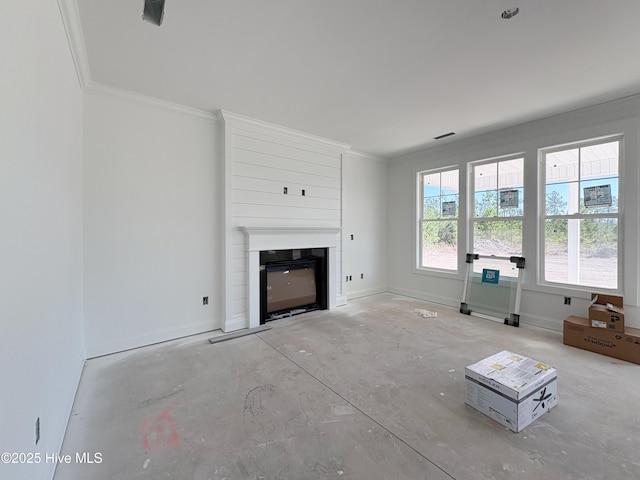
[510, 13]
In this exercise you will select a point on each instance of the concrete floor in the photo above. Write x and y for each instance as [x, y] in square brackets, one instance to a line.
[370, 390]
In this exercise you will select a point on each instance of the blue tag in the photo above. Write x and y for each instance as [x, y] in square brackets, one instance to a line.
[490, 276]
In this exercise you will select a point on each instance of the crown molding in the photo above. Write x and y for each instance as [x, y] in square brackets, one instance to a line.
[102, 89]
[75, 37]
[354, 153]
[255, 125]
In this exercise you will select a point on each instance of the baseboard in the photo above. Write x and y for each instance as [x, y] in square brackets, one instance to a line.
[542, 322]
[237, 322]
[144, 340]
[341, 300]
[65, 415]
[365, 293]
[438, 300]
[525, 318]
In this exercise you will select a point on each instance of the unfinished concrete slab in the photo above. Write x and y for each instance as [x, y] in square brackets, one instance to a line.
[370, 390]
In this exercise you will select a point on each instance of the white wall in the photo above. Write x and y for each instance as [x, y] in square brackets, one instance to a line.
[543, 306]
[41, 345]
[364, 215]
[261, 159]
[152, 217]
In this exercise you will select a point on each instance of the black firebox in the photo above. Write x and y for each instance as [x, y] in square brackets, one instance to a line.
[292, 282]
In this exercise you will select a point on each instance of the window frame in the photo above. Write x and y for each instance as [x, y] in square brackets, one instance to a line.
[471, 186]
[542, 216]
[419, 221]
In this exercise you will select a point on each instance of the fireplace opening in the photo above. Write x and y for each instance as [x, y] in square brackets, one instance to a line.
[292, 282]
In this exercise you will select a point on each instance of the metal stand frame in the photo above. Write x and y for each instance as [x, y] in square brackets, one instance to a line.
[514, 318]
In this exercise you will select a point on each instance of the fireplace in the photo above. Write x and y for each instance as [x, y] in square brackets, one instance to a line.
[291, 282]
[295, 239]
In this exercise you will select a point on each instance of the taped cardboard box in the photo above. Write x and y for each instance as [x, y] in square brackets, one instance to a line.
[607, 311]
[512, 389]
[577, 332]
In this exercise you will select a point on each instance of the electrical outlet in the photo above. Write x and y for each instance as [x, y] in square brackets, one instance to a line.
[285, 190]
[205, 300]
[346, 279]
[350, 279]
[351, 236]
[303, 192]
[37, 430]
[567, 300]
[361, 276]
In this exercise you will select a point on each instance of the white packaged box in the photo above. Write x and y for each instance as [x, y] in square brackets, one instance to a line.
[512, 389]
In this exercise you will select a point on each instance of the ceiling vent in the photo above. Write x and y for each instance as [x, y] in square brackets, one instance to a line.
[153, 11]
[444, 135]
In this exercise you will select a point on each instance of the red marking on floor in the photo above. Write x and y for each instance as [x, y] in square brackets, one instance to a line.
[159, 432]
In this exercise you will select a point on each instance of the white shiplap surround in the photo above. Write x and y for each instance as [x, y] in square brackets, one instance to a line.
[260, 161]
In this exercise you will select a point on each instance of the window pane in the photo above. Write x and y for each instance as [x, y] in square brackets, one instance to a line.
[486, 204]
[502, 237]
[557, 199]
[486, 177]
[511, 173]
[598, 205]
[563, 199]
[431, 184]
[431, 208]
[582, 252]
[562, 167]
[440, 245]
[556, 266]
[440, 195]
[449, 206]
[450, 182]
[599, 161]
[510, 202]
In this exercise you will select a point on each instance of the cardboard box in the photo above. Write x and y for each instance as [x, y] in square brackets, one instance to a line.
[512, 389]
[607, 311]
[578, 332]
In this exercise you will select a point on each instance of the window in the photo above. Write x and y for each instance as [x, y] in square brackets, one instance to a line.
[498, 206]
[581, 217]
[438, 219]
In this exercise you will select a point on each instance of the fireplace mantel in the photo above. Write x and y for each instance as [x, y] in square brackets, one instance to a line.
[262, 238]
[281, 238]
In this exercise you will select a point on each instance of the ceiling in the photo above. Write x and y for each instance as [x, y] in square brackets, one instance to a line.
[385, 76]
